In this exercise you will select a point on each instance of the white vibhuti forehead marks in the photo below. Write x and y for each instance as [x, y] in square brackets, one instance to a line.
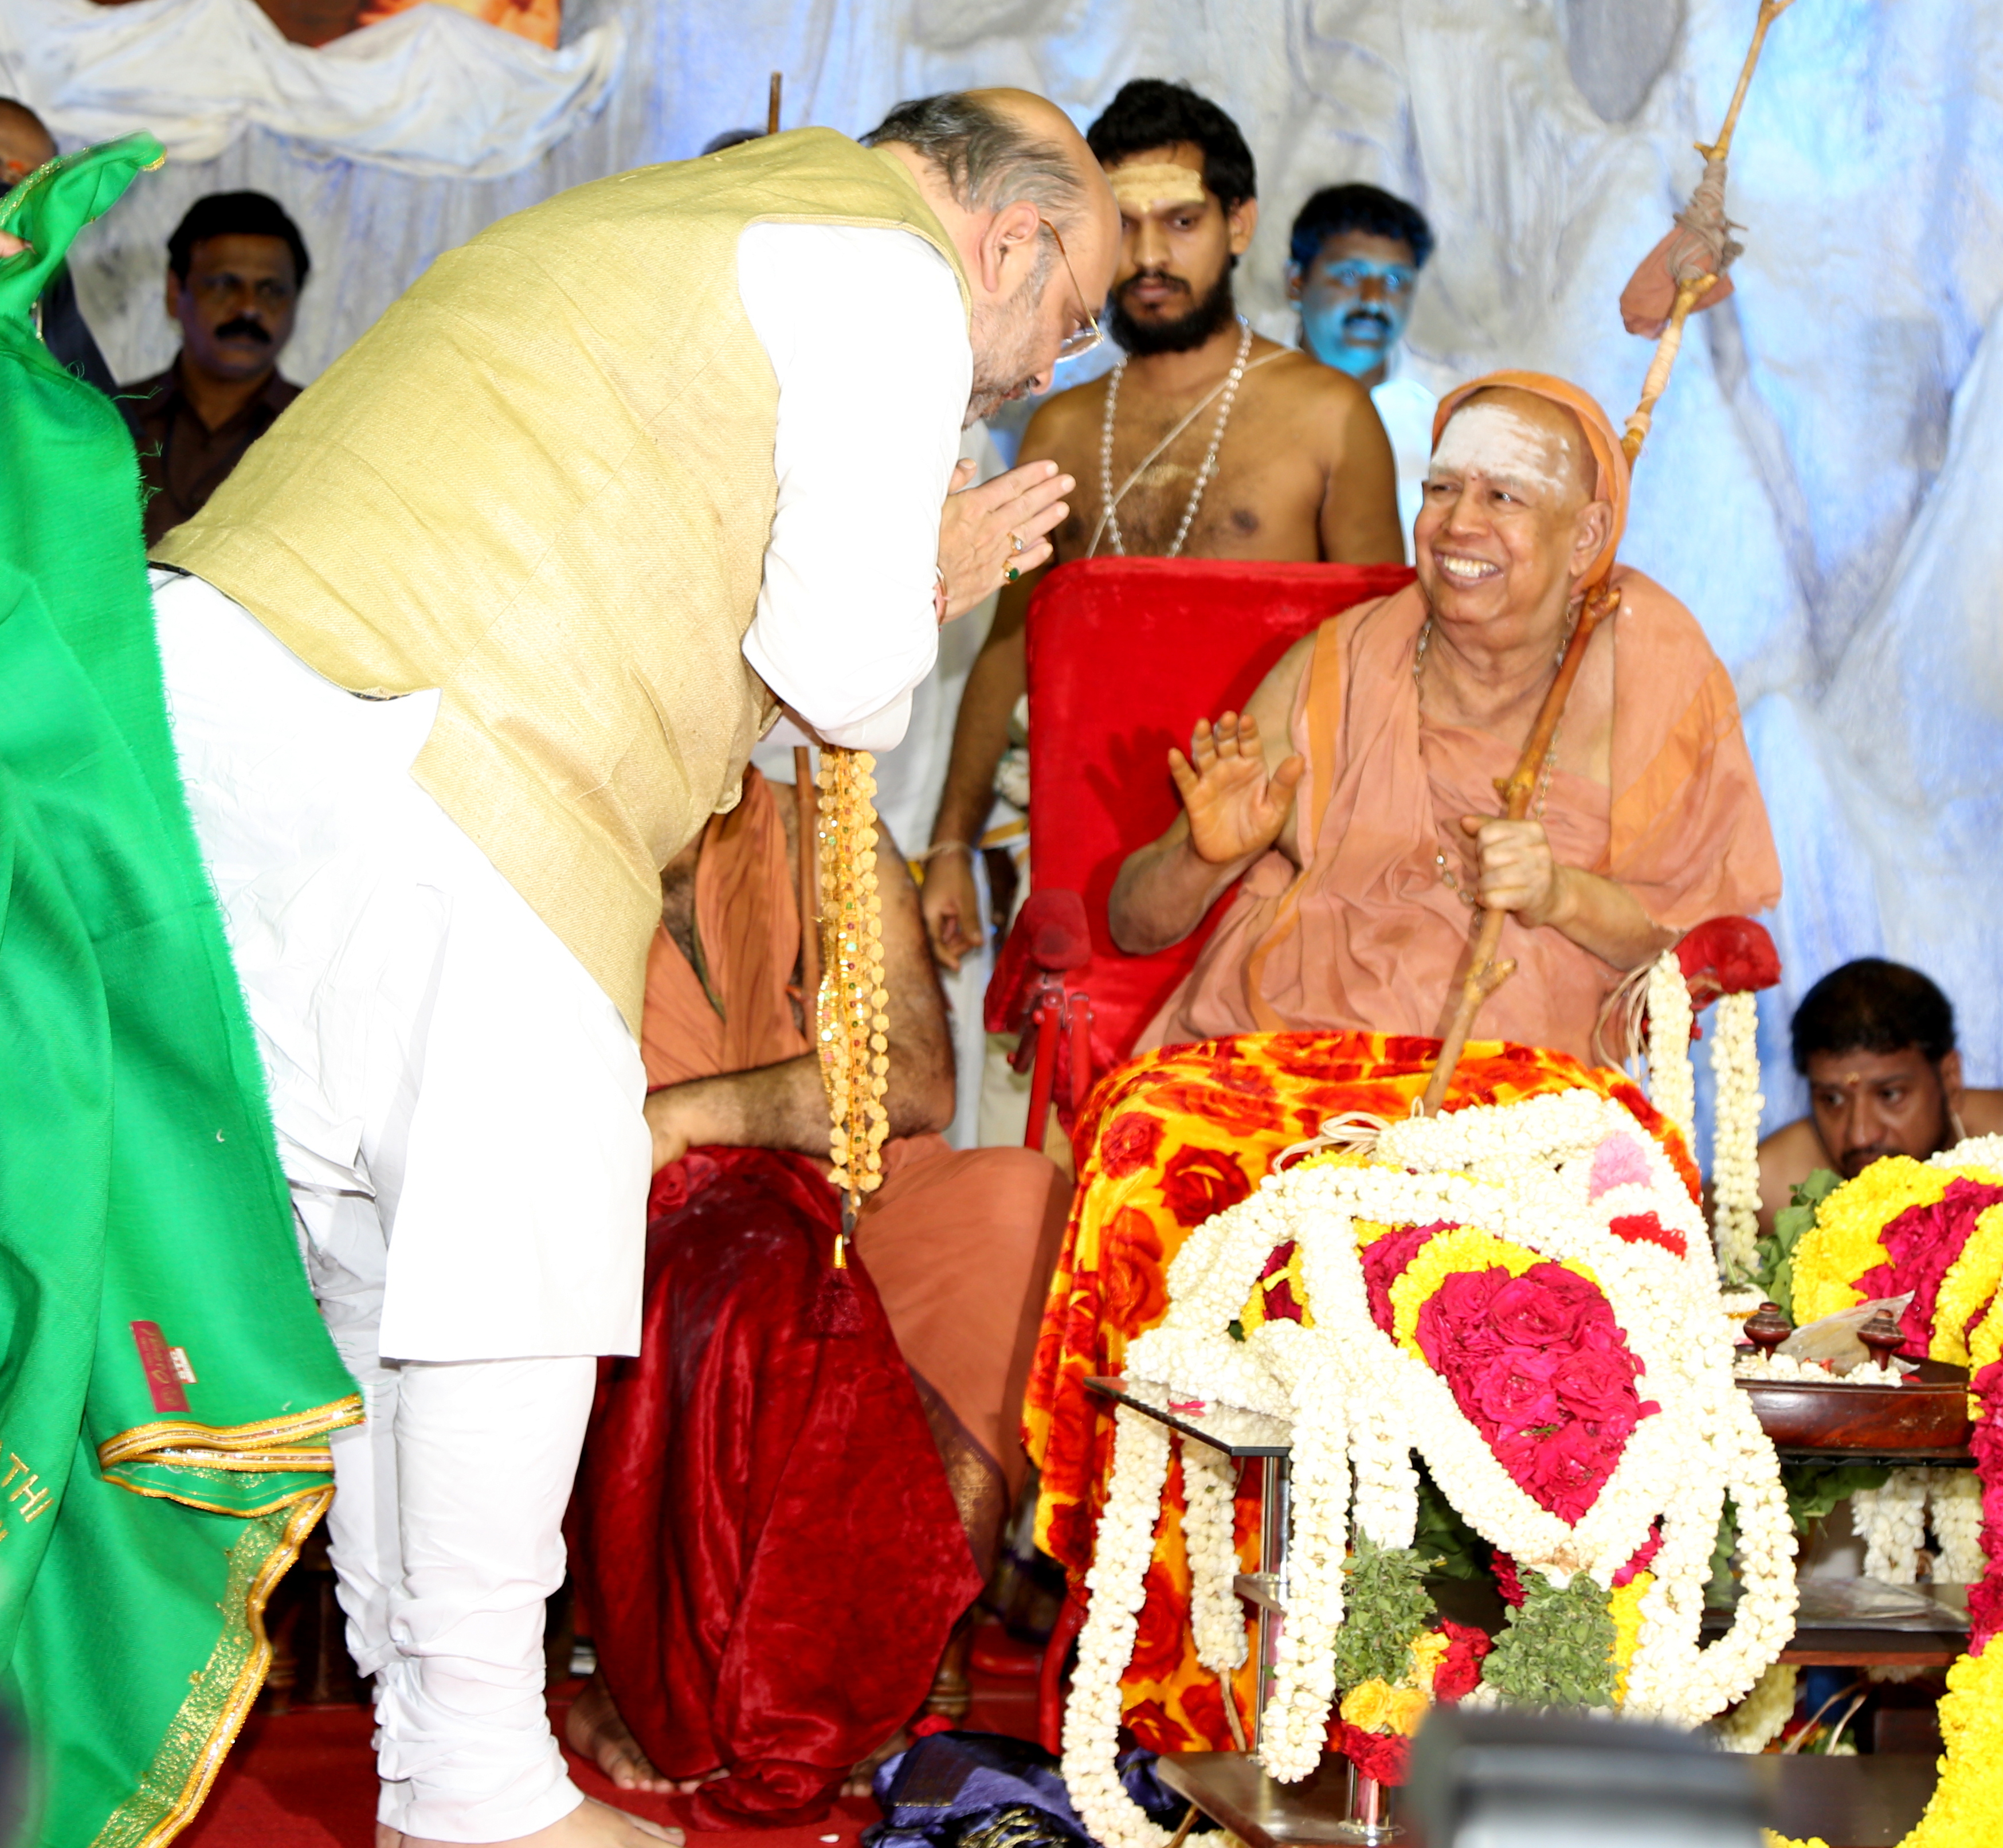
[1141, 187]
[1492, 439]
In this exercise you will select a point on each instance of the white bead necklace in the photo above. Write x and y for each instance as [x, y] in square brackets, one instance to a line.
[1110, 521]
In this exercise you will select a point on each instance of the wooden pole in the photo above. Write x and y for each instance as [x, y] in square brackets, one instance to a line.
[772, 105]
[1484, 974]
[806, 873]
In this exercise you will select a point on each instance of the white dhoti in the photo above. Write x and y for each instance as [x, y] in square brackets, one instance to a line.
[458, 1110]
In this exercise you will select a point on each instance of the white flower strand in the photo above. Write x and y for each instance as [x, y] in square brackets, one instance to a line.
[1294, 1728]
[1756, 1721]
[1735, 1154]
[1117, 1582]
[1217, 1618]
[1954, 1512]
[1892, 1521]
[1672, 1083]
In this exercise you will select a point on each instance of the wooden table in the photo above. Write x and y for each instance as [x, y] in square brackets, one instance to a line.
[1849, 1802]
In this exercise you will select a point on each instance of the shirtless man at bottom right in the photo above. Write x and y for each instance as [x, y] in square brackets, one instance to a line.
[1875, 1042]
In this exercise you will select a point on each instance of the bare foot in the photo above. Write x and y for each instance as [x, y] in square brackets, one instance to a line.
[593, 1729]
[862, 1781]
[591, 1824]
[386, 1837]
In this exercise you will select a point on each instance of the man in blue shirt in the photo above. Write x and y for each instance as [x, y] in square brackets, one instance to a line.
[1355, 262]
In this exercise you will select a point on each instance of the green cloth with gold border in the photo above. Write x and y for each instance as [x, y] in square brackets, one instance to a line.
[167, 1387]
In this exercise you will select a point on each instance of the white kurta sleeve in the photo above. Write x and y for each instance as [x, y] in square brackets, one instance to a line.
[868, 337]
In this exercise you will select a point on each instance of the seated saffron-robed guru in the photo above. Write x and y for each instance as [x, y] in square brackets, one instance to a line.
[1354, 801]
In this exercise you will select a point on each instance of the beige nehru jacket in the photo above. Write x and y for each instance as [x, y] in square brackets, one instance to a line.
[543, 483]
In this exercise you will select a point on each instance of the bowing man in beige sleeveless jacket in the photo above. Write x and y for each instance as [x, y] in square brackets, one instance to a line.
[542, 484]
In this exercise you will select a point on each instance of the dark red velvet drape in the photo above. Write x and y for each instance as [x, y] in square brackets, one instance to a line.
[762, 1531]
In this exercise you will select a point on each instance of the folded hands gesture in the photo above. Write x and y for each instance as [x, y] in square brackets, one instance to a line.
[988, 531]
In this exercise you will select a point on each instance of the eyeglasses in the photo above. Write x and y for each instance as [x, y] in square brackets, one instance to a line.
[1084, 339]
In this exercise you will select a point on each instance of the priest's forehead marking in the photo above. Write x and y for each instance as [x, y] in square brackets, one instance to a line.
[1499, 441]
[1142, 186]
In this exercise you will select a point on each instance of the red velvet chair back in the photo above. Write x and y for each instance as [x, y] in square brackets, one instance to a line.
[1125, 655]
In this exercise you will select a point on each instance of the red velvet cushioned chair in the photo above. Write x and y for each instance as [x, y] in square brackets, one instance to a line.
[1125, 655]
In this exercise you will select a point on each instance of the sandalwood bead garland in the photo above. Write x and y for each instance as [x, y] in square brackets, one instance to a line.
[852, 1021]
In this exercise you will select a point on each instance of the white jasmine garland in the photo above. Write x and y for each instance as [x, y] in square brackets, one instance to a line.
[1672, 1083]
[1117, 1582]
[1359, 1405]
[1217, 1618]
[1892, 1521]
[1954, 1512]
[1735, 1155]
[1294, 1728]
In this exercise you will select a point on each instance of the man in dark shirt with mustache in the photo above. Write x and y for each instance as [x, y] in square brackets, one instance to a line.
[235, 264]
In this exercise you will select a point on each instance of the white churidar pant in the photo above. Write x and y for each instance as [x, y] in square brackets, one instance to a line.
[457, 1106]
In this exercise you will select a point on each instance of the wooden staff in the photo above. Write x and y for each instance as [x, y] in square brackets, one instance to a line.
[806, 873]
[1484, 974]
[772, 102]
[1688, 295]
[1769, 11]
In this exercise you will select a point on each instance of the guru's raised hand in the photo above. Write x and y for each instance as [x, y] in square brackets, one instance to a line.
[1236, 807]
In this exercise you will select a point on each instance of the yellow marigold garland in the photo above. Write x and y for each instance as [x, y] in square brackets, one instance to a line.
[1844, 1241]
[852, 1017]
[1985, 1347]
[1623, 1604]
[1966, 1810]
[1970, 1284]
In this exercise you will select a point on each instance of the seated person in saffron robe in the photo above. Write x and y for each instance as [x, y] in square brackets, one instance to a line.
[770, 1552]
[1356, 797]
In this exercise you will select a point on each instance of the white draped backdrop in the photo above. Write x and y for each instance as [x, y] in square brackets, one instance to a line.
[1821, 484]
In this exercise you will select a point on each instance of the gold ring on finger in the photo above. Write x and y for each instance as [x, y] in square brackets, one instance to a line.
[1017, 544]
[1011, 575]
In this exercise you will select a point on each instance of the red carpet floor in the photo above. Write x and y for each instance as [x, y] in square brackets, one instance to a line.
[306, 1779]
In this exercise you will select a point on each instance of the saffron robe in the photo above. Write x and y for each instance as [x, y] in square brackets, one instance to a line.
[1365, 934]
[791, 1495]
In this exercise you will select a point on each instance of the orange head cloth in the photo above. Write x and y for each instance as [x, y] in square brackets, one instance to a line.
[1610, 475]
